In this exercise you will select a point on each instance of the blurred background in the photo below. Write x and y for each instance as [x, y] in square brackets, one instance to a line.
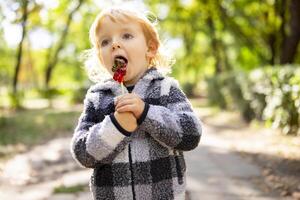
[233, 58]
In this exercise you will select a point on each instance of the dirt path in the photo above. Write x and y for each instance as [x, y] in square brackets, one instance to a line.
[35, 175]
[276, 157]
[216, 172]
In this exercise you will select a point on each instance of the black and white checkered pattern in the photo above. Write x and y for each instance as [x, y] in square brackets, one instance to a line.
[149, 164]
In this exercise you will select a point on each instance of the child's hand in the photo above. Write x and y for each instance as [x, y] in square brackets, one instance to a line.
[130, 102]
[126, 120]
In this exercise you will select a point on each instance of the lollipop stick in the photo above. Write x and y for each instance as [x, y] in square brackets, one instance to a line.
[122, 86]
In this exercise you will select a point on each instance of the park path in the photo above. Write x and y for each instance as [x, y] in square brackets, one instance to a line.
[214, 172]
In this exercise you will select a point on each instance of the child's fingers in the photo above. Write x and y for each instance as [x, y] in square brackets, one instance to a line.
[126, 108]
[125, 97]
[121, 97]
[117, 99]
[125, 102]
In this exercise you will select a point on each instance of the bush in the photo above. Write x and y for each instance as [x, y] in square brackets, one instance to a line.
[16, 100]
[226, 92]
[283, 108]
[270, 93]
[255, 90]
[234, 84]
[214, 94]
[77, 96]
[50, 93]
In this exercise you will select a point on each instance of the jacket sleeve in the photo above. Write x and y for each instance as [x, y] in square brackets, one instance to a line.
[96, 140]
[175, 125]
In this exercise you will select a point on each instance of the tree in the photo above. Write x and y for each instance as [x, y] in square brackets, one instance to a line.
[53, 57]
[292, 37]
[24, 6]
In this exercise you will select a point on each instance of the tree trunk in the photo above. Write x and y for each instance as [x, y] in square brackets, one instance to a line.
[53, 59]
[215, 46]
[291, 41]
[281, 6]
[272, 46]
[20, 48]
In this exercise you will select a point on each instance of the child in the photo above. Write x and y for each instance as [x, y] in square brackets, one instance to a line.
[134, 141]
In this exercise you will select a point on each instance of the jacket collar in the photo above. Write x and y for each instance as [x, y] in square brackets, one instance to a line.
[140, 87]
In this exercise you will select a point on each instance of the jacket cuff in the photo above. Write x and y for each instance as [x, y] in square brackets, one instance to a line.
[144, 114]
[118, 126]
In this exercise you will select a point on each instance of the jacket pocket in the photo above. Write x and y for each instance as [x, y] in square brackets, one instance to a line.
[180, 166]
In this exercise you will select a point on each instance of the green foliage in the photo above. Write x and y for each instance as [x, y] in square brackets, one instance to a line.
[239, 38]
[233, 84]
[50, 93]
[225, 91]
[71, 189]
[283, 107]
[16, 99]
[270, 93]
[3, 120]
[255, 89]
[214, 93]
[77, 96]
[188, 88]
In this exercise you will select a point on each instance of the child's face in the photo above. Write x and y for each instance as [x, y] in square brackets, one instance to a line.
[125, 39]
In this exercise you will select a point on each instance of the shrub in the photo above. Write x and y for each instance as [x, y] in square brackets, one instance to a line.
[77, 96]
[271, 93]
[214, 94]
[282, 108]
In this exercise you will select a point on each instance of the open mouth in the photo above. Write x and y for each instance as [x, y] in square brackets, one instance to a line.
[119, 68]
[120, 62]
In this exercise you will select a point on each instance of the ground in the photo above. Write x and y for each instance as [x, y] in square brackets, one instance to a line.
[277, 155]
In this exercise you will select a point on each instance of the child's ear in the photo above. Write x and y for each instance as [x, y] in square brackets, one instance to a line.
[152, 49]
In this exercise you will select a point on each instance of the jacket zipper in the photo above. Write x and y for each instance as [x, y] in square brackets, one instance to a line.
[130, 162]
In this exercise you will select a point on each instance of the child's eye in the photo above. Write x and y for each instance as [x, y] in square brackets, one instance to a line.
[104, 43]
[127, 36]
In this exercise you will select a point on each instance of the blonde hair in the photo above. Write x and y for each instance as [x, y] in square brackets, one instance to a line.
[162, 60]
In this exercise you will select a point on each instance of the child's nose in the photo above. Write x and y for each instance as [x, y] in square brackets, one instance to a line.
[115, 46]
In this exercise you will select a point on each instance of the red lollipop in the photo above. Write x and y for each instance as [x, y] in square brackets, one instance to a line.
[119, 69]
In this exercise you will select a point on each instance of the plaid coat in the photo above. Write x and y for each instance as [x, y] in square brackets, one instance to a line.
[148, 163]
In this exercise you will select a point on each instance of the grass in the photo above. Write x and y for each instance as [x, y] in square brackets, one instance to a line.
[25, 128]
[30, 127]
[33, 126]
[71, 189]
